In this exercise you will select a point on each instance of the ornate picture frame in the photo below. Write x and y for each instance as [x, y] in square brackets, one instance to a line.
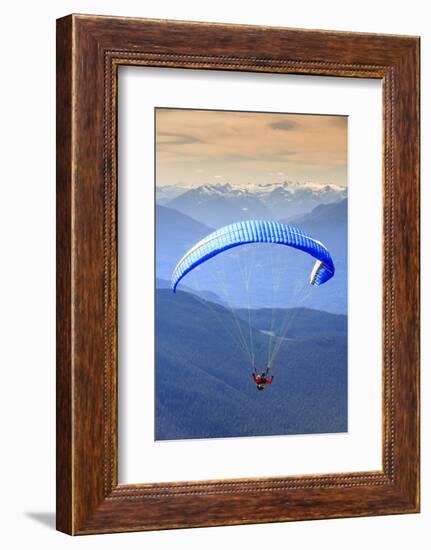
[89, 51]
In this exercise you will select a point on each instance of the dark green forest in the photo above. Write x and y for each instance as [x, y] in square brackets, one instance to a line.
[204, 386]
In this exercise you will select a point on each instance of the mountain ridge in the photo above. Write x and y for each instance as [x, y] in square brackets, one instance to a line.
[204, 387]
[222, 203]
[177, 233]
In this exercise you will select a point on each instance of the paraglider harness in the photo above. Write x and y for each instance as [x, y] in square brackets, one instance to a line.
[262, 379]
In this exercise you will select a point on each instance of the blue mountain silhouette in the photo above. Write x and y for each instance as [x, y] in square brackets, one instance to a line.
[224, 275]
[203, 377]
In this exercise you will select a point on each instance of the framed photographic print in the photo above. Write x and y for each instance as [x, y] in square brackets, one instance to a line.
[237, 275]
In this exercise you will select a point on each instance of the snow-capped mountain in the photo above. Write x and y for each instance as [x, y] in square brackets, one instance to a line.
[295, 186]
[222, 203]
[166, 193]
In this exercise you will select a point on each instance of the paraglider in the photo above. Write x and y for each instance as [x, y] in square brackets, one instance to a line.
[261, 380]
[258, 232]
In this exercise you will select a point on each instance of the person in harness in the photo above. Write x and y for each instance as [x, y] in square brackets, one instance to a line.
[261, 380]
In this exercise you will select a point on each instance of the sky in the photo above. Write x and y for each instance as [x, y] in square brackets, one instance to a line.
[194, 147]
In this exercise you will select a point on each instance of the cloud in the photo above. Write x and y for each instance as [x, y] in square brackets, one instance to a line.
[246, 147]
[176, 139]
[285, 125]
[276, 156]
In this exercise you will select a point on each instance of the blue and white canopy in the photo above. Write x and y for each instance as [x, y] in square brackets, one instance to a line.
[256, 231]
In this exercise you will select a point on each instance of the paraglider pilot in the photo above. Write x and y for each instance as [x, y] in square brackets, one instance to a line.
[262, 379]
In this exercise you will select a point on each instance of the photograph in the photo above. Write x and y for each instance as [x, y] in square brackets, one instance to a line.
[237, 272]
[251, 271]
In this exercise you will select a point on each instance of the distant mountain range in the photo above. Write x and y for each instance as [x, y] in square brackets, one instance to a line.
[202, 294]
[176, 233]
[204, 387]
[329, 215]
[219, 204]
[329, 224]
[165, 193]
[277, 275]
[294, 323]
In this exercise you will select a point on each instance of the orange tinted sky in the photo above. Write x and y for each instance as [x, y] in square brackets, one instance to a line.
[195, 147]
